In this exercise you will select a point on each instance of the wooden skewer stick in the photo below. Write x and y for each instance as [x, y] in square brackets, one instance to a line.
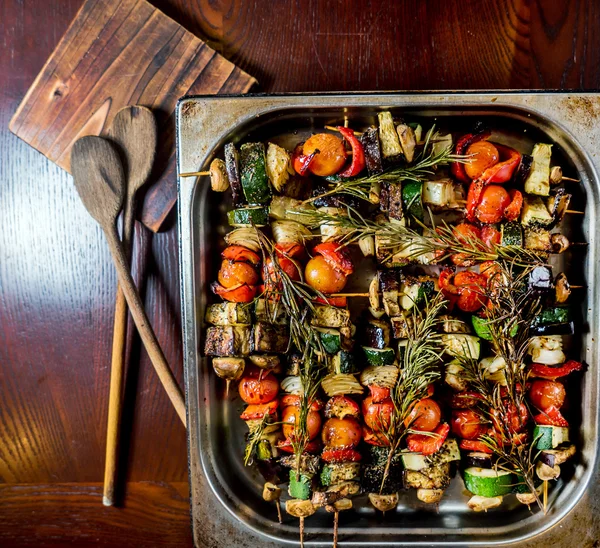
[579, 243]
[545, 501]
[336, 517]
[99, 180]
[573, 212]
[331, 128]
[347, 295]
[570, 179]
[194, 174]
[577, 286]
[134, 132]
[301, 532]
[278, 505]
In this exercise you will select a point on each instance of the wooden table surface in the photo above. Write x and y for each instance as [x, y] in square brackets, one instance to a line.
[57, 283]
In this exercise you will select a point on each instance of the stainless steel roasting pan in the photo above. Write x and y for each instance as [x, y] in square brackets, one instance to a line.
[227, 508]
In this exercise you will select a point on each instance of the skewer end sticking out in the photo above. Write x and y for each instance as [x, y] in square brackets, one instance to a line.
[301, 532]
[106, 501]
[227, 385]
[336, 518]
[194, 174]
[278, 504]
[545, 502]
[574, 212]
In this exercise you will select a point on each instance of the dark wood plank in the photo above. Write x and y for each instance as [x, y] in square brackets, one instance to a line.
[56, 279]
[117, 53]
[55, 515]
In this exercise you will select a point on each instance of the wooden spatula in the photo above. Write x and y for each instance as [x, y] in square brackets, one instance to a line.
[133, 131]
[100, 182]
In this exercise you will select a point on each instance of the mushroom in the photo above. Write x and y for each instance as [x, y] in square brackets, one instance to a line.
[230, 369]
[483, 504]
[219, 181]
[383, 503]
[271, 492]
[339, 505]
[545, 472]
[367, 245]
[556, 175]
[562, 288]
[430, 496]
[300, 508]
[407, 140]
[560, 243]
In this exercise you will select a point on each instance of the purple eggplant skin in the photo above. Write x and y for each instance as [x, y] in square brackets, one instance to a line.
[548, 458]
[270, 470]
[370, 143]
[232, 166]
[523, 170]
[567, 328]
[479, 460]
[376, 334]
[389, 280]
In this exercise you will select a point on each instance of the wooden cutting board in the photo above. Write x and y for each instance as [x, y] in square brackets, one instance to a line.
[118, 53]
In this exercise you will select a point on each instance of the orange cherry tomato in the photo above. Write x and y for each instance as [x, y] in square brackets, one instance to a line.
[425, 416]
[377, 416]
[234, 273]
[493, 201]
[467, 424]
[330, 154]
[379, 393]
[290, 417]
[490, 236]
[322, 276]
[545, 394]
[341, 433]
[471, 290]
[484, 155]
[466, 232]
[257, 390]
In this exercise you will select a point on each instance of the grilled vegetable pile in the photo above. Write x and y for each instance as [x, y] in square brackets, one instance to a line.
[453, 356]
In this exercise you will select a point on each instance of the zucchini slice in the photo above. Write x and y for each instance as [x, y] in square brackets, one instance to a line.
[538, 181]
[379, 356]
[412, 201]
[249, 216]
[253, 173]
[535, 212]
[232, 166]
[511, 234]
[414, 461]
[549, 437]
[331, 339]
[487, 482]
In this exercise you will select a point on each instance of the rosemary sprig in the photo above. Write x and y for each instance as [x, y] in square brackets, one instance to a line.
[254, 438]
[509, 315]
[420, 368]
[425, 166]
[440, 241]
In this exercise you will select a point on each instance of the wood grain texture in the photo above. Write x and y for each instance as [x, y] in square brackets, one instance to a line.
[117, 53]
[57, 282]
[155, 514]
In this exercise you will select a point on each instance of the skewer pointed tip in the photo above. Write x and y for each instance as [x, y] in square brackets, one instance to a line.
[278, 504]
[336, 517]
[301, 532]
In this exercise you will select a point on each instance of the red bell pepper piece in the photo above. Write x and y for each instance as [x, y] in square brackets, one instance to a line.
[336, 256]
[300, 161]
[551, 416]
[475, 445]
[286, 445]
[375, 438]
[338, 302]
[258, 411]
[290, 251]
[445, 282]
[473, 199]
[428, 444]
[513, 210]
[462, 144]
[379, 393]
[341, 455]
[242, 254]
[553, 373]
[243, 293]
[358, 153]
[503, 170]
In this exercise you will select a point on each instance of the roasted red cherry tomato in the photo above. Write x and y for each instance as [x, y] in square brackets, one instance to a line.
[341, 433]
[462, 144]
[256, 390]
[505, 168]
[544, 394]
[483, 155]
[379, 393]
[493, 201]
[290, 417]
[377, 416]
[234, 273]
[490, 236]
[425, 416]
[471, 290]
[467, 424]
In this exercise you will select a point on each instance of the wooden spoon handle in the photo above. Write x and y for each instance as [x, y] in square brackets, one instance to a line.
[143, 324]
[117, 369]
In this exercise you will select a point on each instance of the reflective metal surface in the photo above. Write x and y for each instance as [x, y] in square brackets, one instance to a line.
[227, 507]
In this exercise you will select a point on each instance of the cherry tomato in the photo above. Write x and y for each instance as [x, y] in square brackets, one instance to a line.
[471, 290]
[323, 277]
[467, 424]
[425, 416]
[467, 234]
[377, 416]
[341, 433]
[290, 418]
[490, 236]
[330, 154]
[492, 203]
[375, 438]
[544, 394]
[241, 253]
[485, 155]
[257, 390]
[234, 273]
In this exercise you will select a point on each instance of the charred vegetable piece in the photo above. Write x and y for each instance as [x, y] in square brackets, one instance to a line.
[538, 181]
[511, 234]
[232, 166]
[408, 141]
[219, 181]
[540, 279]
[388, 136]
[228, 341]
[228, 314]
[370, 142]
[523, 170]
[376, 333]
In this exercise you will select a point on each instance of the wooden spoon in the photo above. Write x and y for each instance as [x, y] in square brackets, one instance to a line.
[99, 180]
[134, 132]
